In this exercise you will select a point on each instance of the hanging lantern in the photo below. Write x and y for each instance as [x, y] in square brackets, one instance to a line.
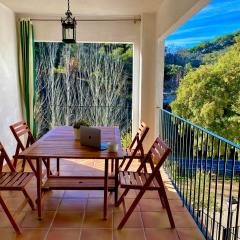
[69, 27]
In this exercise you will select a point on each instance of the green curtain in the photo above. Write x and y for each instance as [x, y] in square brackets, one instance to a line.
[27, 70]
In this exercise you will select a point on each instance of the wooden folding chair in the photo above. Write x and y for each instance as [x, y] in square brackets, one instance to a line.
[13, 181]
[135, 150]
[20, 131]
[143, 181]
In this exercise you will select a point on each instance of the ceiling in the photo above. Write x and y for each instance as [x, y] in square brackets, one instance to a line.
[83, 7]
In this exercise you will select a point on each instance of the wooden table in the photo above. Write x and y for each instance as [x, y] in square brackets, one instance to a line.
[60, 143]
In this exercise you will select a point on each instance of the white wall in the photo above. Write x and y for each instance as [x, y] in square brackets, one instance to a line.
[10, 107]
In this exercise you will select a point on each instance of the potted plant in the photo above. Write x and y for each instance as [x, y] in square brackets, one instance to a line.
[77, 125]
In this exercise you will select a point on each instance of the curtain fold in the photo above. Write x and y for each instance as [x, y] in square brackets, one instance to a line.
[27, 76]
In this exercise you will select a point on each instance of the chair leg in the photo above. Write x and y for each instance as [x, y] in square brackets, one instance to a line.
[31, 166]
[122, 163]
[122, 197]
[166, 203]
[58, 166]
[112, 165]
[9, 215]
[45, 161]
[131, 209]
[28, 199]
[15, 162]
[23, 164]
[161, 198]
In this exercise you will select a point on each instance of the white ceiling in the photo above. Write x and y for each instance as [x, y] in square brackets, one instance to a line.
[83, 7]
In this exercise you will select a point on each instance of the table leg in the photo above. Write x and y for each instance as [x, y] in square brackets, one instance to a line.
[116, 179]
[39, 186]
[105, 190]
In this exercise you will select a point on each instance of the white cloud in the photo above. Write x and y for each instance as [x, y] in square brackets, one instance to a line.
[188, 41]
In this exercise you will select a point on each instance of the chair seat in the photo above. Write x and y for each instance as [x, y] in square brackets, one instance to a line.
[136, 180]
[14, 180]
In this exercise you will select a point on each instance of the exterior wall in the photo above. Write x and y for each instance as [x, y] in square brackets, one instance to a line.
[10, 107]
[121, 32]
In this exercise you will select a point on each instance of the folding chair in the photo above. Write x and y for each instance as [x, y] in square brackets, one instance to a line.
[21, 130]
[135, 150]
[13, 181]
[143, 181]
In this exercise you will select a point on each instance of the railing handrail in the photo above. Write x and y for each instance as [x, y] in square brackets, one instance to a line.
[203, 129]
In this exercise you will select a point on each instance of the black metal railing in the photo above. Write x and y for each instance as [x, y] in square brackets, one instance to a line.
[99, 115]
[205, 170]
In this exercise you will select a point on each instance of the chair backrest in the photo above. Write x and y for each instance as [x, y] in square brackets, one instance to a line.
[139, 137]
[4, 156]
[136, 146]
[156, 156]
[22, 132]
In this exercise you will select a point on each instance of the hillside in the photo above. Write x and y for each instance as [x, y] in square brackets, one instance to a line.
[179, 62]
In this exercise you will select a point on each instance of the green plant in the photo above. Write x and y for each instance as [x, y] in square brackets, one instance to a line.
[126, 139]
[81, 122]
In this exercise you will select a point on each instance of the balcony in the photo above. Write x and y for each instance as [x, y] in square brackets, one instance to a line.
[199, 161]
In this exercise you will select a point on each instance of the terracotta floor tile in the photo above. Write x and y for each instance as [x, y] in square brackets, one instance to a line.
[30, 234]
[96, 204]
[96, 194]
[134, 220]
[129, 234]
[31, 220]
[96, 234]
[75, 194]
[150, 194]
[176, 205]
[51, 204]
[7, 234]
[76, 173]
[128, 203]
[161, 234]
[55, 194]
[171, 194]
[95, 220]
[14, 203]
[183, 220]
[156, 220]
[131, 193]
[190, 234]
[66, 219]
[63, 234]
[4, 222]
[72, 204]
[6, 194]
[149, 205]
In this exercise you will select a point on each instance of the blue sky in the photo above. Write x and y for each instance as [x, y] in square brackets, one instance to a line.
[217, 18]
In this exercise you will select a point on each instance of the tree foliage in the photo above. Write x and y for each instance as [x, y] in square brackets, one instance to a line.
[184, 60]
[86, 81]
[210, 95]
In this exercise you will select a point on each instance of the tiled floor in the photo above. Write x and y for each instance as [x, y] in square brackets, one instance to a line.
[75, 215]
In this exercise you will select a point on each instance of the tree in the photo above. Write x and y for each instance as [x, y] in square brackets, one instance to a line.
[210, 95]
[88, 81]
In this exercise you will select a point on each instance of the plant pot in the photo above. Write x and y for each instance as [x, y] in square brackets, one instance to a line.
[76, 133]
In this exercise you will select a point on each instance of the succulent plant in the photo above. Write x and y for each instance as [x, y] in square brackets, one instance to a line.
[81, 122]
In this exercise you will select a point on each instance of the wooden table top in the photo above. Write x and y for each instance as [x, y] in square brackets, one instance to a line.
[60, 143]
